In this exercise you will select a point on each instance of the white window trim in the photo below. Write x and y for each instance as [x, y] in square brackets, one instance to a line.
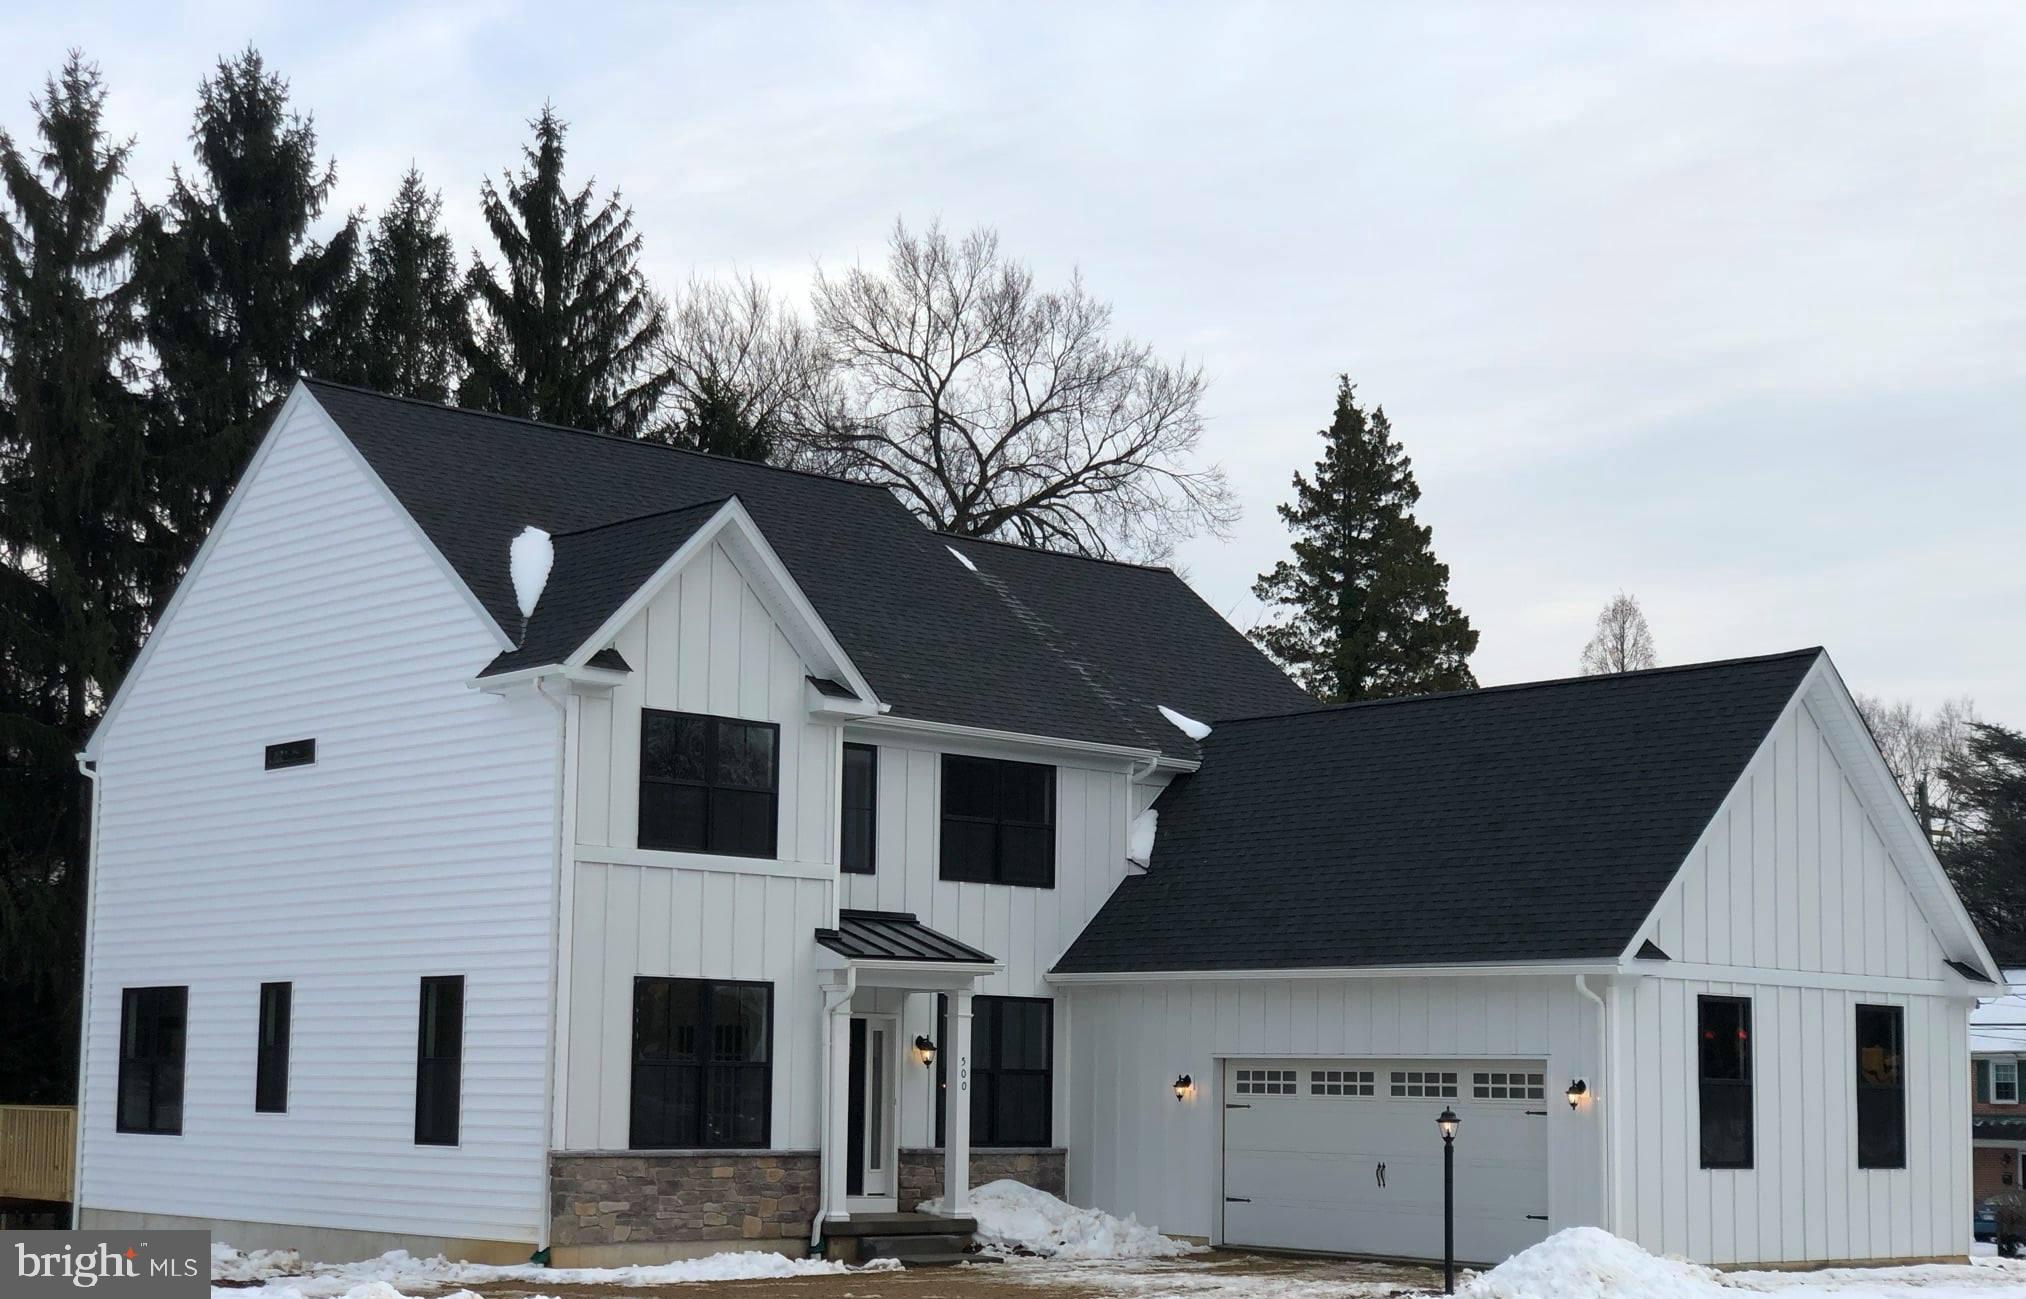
[2009, 1071]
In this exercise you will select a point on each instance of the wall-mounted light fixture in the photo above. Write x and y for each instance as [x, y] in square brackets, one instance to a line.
[925, 1050]
[1577, 1091]
[1184, 1085]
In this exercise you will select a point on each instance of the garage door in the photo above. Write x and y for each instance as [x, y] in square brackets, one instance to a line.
[1343, 1156]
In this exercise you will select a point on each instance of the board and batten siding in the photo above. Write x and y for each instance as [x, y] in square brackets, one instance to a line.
[1792, 899]
[421, 842]
[1134, 1149]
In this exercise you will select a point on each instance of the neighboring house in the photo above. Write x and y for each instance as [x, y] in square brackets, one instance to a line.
[666, 917]
[1997, 1119]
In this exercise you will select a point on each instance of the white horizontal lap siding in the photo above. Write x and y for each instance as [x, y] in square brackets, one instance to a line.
[705, 644]
[1135, 1149]
[1792, 899]
[1027, 929]
[420, 843]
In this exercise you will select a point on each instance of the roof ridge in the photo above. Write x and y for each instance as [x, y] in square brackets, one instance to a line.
[622, 439]
[1511, 686]
[715, 503]
[1063, 554]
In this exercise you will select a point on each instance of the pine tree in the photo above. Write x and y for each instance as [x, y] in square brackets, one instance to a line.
[715, 419]
[238, 299]
[416, 324]
[1368, 611]
[567, 335]
[1986, 853]
[71, 496]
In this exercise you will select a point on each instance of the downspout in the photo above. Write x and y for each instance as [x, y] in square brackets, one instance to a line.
[833, 997]
[549, 1098]
[1599, 1096]
[90, 773]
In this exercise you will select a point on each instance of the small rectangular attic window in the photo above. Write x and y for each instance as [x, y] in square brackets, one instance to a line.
[291, 753]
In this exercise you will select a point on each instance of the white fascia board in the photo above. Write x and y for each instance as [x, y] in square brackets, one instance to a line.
[582, 680]
[986, 735]
[1466, 971]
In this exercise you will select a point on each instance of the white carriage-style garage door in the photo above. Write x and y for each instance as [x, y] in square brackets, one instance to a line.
[1343, 1156]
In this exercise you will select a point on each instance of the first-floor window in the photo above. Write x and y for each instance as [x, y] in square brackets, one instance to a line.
[152, 1023]
[1012, 1071]
[1724, 1091]
[439, 1060]
[270, 1070]
[1881, 1087]
[703, 1064]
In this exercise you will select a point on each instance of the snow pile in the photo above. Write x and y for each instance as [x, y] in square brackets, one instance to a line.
[529, 559]
[395, 1274]
[1015, 1217]
[1588, 1263]
[1188, 726]
[1140, 843]
[962, 558]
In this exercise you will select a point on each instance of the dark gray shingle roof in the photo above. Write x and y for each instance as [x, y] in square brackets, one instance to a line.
[1517, 823]
[935, 640]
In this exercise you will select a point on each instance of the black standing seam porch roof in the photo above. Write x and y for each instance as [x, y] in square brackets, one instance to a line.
[895, 936]
[1537, 822]
[1038, 644]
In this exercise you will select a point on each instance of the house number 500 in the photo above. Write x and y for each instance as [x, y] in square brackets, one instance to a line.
[963, 1073]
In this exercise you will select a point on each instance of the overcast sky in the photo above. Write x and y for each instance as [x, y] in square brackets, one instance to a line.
[1722, 306]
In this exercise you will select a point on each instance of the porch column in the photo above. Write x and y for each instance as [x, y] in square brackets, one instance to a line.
[837, 1100]
[957, 1107]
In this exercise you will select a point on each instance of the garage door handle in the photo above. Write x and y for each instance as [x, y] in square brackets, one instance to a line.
[1539, 1114]
[1537, 1217]
[1236, 1199]
[1230, 1106]
[1380, 1174]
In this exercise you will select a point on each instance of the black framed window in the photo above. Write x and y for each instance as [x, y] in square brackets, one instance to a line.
[291, 753]
[1724, 1052]
[998, 822]
[703, 1064]
[153, 1022]
[861, 808]
[708, 784]
[439, 1060]
[1881, 1087]
[1012, 1071]
[270, 1070]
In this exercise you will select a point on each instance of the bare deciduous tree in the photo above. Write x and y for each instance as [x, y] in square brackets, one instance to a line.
[1919, 748]
[994, 408]
[731, 340]
[1622, 642]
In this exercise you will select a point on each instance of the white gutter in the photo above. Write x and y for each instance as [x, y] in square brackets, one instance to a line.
[1603, 1074]
[556, 937]
[1542, 968]
[1153, 757]
[90, 772]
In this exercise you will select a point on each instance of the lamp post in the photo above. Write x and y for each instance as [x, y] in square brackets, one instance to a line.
[1448, 1122]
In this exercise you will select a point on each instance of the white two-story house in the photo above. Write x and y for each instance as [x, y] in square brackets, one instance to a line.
[702, 868]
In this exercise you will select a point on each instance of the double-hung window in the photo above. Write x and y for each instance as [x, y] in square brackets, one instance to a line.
[2004, 1082]
[1881, 1087]
[703, 1064]
[998, 822]
[152, 1024]
[708, 784]
[1724, 1091]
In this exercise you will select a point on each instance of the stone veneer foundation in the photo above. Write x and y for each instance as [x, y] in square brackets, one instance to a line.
[763, 1199]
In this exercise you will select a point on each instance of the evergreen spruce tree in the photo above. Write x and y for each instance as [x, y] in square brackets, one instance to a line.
[71, 498]
[1985, 854]
[238, 299]
[416, 328]
[567, 325]
[1367, 603]
[714, 419]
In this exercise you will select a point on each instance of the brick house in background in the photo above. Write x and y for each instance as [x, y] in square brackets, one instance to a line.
[1997, 1118]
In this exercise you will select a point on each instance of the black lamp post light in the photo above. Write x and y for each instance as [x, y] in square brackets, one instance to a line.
[1448, 1122]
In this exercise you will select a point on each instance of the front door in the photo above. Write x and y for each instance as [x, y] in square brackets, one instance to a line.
[870, 1134]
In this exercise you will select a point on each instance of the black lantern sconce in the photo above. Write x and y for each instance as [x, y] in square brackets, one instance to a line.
[1184, 1086]
[1577, 1091]
[925, 1049]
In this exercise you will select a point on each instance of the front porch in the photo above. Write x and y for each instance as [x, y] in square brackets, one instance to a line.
[869, 969]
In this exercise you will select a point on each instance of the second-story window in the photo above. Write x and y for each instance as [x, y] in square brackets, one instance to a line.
[998, 822]
[2004, 1082]
[708, 784]
[861, 807]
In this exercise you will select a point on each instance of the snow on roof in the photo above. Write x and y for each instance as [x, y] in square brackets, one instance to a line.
[530, 557]
[2000, 1023]
[1140, 842]
[1188, 726]
[962, 558]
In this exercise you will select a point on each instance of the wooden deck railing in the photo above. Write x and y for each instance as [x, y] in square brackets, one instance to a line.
[37, 1143]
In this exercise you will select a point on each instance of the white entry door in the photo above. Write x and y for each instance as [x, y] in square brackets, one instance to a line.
[1343, 1156]
[872, 1107]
